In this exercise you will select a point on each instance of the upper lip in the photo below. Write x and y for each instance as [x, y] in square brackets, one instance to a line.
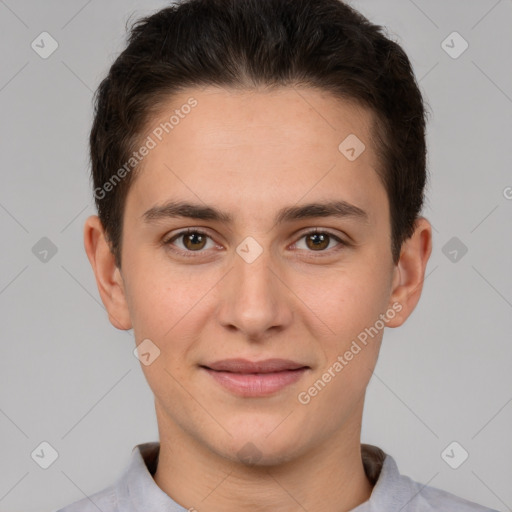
[246, 366]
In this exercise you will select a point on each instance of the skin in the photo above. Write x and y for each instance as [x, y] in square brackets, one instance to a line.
[250, 154]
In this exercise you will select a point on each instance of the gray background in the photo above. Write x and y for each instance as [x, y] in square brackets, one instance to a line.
[69, 378]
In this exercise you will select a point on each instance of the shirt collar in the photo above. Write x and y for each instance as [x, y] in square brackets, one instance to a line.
[137, 491]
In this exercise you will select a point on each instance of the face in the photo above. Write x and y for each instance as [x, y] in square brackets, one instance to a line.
[265, 277]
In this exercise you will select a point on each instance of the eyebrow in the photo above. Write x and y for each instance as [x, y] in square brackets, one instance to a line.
[173, 209]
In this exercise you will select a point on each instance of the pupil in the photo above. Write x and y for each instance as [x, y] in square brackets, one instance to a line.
[320, 242]
[192, 238]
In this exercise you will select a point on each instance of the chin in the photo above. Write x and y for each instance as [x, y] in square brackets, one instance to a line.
[259, 450]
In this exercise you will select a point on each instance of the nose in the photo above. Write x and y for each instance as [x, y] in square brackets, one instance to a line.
[254, 297]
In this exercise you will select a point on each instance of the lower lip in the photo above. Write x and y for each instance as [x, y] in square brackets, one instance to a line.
[256, 384]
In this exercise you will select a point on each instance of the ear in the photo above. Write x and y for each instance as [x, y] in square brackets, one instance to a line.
[108, 276]
[409, 273]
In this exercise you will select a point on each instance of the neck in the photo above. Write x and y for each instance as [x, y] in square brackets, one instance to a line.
[329, 476]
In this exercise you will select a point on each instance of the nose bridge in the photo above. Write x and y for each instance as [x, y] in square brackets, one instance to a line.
[253, 303]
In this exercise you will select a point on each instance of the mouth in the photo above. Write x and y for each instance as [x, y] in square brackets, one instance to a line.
[246, 366]
[255, 378]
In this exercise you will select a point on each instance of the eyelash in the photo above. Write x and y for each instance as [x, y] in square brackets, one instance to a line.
[192, 254]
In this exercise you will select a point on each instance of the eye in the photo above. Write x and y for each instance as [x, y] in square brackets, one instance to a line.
[318, 240]
[193, 240]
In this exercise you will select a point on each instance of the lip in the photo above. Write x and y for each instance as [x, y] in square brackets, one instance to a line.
[255, 378]
[245, 366]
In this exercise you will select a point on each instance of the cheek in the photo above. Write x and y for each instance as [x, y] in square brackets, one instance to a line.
[347, 300]
[154, 296]
[351, 307]
[167, 303]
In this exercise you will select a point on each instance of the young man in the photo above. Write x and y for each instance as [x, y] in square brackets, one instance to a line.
[258, 169]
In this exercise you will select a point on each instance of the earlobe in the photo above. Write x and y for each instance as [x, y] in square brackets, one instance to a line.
[409, 272]
[108, 276]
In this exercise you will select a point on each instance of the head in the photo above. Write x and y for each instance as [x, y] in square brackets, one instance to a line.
[272, 119]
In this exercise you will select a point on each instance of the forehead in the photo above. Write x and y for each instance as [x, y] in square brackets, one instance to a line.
[222, 117]
[261, 145]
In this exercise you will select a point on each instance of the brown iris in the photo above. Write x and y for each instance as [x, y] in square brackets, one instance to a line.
[190, 241]
[321, 240]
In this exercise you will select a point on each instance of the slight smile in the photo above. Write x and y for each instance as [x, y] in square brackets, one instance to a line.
[255, 378]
